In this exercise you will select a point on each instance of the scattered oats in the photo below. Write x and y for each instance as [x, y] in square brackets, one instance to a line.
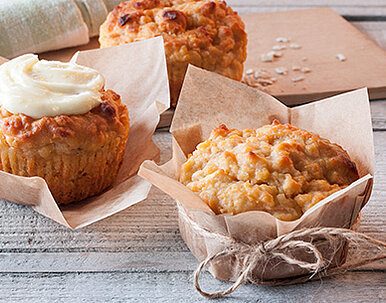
[281, 70]
[261, 74]
[281, 39]
[250, 81]
[340, 57]
[277, 54]
[304, 59]
[306, 70]
[294, 46]
[249, 71]
[297, 79]
[264, 74]
[268, 57]
[278, 47]
[265, 82]
[260, 79]
[256, 75]
[295, 68]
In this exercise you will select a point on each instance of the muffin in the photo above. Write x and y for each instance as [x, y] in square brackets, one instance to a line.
[207, 34]
[58, 122]
[279, 169]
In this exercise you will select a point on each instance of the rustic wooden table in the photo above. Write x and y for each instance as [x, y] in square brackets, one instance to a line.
[138, 255]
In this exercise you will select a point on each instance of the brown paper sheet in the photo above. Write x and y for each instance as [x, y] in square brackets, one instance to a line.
[137, 72]
[208, 100]
[321, 34]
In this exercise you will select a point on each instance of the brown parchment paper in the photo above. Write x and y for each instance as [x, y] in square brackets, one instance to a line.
[137, 72]
[321, 34]
[208, 100]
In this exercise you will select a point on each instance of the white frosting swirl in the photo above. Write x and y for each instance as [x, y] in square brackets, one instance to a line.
[48, 88]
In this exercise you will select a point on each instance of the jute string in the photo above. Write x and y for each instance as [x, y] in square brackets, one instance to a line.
[281, 247]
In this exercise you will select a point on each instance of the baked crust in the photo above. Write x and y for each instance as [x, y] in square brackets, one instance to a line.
[277, 168]
[207, 34]
[78, 155]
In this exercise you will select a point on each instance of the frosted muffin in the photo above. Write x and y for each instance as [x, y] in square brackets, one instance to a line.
[57, 122]
[277, 168]
[207, 34]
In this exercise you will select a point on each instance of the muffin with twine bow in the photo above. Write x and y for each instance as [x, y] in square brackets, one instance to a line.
[260, 202]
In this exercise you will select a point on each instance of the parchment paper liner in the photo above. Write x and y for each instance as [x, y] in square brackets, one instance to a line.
[137, 72]
[208, 100]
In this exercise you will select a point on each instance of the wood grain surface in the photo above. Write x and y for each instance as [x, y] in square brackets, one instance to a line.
[138, 254]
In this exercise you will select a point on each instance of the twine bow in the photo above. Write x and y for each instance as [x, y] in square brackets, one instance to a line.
[281, 247]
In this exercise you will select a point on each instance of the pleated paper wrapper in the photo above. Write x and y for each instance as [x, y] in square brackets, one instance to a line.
[208, 100]
[137, 72]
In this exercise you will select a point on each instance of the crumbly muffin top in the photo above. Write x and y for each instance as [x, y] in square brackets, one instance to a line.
[277, 168]
[85, 131]
[188, 28]
[209, 22]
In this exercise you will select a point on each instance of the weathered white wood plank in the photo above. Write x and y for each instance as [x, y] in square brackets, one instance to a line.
[342, 7]
[378, 114]
[96, 262]
[375, 30]
[134, 286]
[169, 261]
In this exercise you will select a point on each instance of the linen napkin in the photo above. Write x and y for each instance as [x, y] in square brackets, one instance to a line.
[43, 25]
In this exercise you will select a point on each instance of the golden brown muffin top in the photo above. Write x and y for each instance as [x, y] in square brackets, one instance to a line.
[277, 168]
[86, 131]
[194, 24]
